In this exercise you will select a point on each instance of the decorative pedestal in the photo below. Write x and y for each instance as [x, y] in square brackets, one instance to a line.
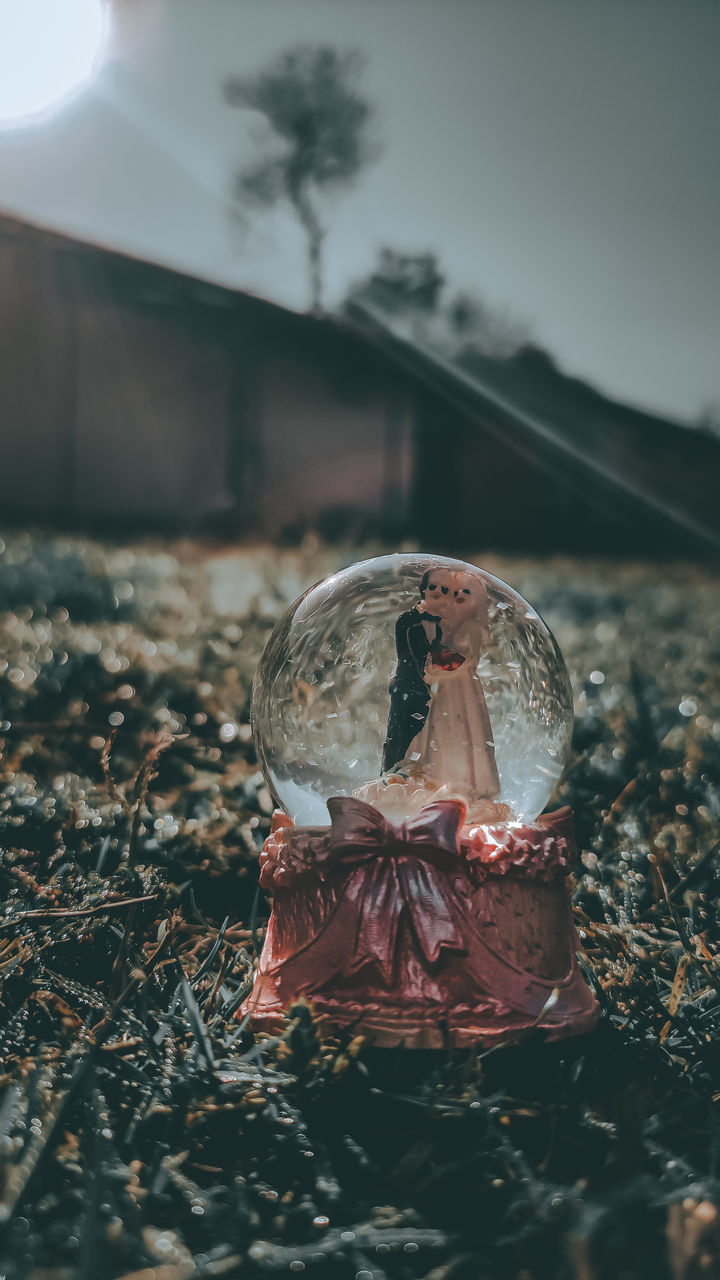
[426, 933]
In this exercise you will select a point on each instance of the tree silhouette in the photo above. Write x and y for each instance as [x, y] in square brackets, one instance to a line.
[410, 287]
[401, 283]
[491, 329]
[309, 98]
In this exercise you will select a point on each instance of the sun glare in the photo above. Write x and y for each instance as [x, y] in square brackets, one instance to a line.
[49, 51]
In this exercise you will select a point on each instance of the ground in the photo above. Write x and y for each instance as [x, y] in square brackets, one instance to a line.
[144, 1132]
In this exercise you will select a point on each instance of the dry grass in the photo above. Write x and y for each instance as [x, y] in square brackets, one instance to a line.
[144, 1132]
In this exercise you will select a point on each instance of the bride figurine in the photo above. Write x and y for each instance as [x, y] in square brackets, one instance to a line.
[439, 742]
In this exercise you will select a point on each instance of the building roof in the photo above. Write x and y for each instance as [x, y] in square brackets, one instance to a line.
[668, 473]
[665, 473]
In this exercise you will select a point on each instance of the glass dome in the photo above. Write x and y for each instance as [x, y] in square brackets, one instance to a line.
[408, 678]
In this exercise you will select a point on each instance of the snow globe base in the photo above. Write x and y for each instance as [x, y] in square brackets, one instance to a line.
[429, 932]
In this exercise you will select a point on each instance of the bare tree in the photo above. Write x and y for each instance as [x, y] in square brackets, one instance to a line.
[309, 98]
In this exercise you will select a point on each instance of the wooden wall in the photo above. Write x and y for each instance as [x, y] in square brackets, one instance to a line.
[130, 396]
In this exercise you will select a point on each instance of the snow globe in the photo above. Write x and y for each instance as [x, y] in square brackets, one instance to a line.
[412, 716]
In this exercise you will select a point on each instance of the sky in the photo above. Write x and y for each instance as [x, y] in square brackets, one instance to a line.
[559, 156]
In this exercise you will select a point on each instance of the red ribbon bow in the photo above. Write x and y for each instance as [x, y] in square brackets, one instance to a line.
[397, 877]
[360, 825]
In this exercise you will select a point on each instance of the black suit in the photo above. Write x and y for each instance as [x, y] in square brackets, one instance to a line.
[409, 694]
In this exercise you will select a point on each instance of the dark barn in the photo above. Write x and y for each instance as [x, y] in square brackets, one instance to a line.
[133, 396]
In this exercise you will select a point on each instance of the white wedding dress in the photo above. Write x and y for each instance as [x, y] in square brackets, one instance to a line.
[454, 749]
[453, 755]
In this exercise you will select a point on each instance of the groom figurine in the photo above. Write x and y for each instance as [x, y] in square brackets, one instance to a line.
[409, 693]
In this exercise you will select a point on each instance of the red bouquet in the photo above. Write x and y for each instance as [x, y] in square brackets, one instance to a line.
[446, 659]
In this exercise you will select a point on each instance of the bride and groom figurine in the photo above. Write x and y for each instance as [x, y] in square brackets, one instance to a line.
[439, 738]
[424, 914]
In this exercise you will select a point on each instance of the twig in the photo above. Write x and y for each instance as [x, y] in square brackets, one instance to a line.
[57, 913]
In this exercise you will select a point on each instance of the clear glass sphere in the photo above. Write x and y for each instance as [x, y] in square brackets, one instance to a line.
[321, 696]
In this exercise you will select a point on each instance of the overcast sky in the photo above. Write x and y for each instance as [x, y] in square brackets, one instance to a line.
[560, 156]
